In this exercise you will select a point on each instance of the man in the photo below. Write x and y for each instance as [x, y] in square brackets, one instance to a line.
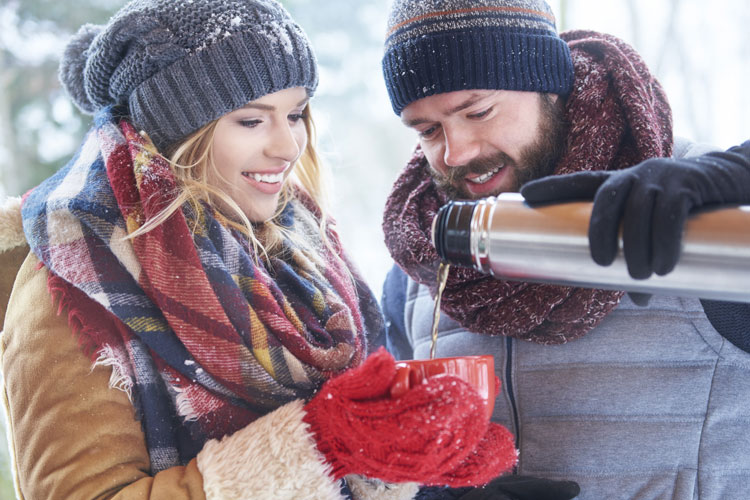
[630, 401]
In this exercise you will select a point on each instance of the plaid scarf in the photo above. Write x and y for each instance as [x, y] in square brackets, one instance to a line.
[204, 337]
[618, 116]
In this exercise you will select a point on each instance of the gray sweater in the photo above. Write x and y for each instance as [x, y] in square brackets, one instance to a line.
[651, 404]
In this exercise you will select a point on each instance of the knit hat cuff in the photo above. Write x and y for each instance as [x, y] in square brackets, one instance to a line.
[180, 96]
[532, 60]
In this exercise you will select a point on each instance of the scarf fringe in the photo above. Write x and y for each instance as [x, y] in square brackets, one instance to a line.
[85, 335]
[82, 331]
[119, 379]
[184, 404]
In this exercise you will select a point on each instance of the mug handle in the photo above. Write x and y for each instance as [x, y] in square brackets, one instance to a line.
[400, 384]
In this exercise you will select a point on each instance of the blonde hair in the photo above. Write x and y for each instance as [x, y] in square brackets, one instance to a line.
[191, 161]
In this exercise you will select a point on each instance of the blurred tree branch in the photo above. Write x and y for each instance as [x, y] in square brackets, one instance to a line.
[29, 86]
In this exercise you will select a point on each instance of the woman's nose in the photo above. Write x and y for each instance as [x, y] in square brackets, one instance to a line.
[284, 143]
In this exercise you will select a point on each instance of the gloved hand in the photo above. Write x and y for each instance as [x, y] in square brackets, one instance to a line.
[436, 433]
[506, 488]
[652, 200]
[524, 488]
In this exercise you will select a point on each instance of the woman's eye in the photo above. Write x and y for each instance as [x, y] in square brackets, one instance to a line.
[296, 117]
[249, 123]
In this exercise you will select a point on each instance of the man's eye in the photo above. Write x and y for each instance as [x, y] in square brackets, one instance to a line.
[480, 114]
[427, 133]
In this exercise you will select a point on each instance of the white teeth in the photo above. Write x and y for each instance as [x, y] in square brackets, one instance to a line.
[267, 178]
[485, 177]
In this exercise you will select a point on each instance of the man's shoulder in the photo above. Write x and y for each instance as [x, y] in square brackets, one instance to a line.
[394, 289]
[396, 279]
[686, 148]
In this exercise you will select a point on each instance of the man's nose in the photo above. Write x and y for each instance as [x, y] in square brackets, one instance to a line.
[460, 147]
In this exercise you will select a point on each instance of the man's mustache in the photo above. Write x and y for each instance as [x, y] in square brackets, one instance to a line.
[478, 166]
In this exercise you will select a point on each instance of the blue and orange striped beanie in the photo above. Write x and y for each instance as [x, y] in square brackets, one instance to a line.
[436, 46]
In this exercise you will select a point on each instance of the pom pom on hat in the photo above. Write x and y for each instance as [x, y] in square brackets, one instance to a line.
[180, 64]
[73, 66]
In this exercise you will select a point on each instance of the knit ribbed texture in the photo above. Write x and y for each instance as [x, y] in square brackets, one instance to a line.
[179, 64]
[731, 320]
[435, 47]
[437, 433]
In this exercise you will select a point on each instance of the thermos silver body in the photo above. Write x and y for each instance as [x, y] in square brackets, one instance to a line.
[549, 244]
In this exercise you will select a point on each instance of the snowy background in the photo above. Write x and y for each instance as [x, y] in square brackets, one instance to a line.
[700, 51]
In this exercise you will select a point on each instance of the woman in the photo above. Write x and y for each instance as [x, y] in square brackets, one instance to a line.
[213, 341]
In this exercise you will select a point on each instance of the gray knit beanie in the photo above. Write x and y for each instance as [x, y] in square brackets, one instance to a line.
[436, 46]
[179, 64]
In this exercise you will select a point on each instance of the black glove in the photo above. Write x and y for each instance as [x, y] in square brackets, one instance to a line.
[507, 488]
[652, 200]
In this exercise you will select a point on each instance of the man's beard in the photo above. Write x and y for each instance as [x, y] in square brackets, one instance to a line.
[536, 160]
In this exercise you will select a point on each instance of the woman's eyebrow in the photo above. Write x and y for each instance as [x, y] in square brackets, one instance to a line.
[268, 107]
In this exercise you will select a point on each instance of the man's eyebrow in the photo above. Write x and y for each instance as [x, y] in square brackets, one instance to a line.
[267, 107]
[470, 101]
[416, 121]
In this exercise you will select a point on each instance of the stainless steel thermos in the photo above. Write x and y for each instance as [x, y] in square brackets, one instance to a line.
[509, 239]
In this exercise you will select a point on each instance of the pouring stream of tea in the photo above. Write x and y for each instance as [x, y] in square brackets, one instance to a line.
[442, 278]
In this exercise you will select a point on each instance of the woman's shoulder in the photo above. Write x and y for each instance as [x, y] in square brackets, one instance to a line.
[29, 308]
[13, 249]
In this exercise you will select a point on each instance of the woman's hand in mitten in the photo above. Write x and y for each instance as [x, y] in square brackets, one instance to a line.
[652, 200]
[496, 447]
[436, 433]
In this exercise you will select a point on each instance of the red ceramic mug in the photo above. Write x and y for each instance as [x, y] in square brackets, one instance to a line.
[477, 371]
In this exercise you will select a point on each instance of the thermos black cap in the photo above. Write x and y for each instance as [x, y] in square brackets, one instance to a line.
[451, 232]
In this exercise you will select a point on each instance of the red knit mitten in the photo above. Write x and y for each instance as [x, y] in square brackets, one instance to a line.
[436, 433]
[495, 452]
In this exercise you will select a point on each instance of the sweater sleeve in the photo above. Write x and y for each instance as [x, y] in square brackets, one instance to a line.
[74, 437]
[742, 151]
[730, 319]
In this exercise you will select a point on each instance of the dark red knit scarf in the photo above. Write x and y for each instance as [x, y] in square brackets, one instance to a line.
[618, 116]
